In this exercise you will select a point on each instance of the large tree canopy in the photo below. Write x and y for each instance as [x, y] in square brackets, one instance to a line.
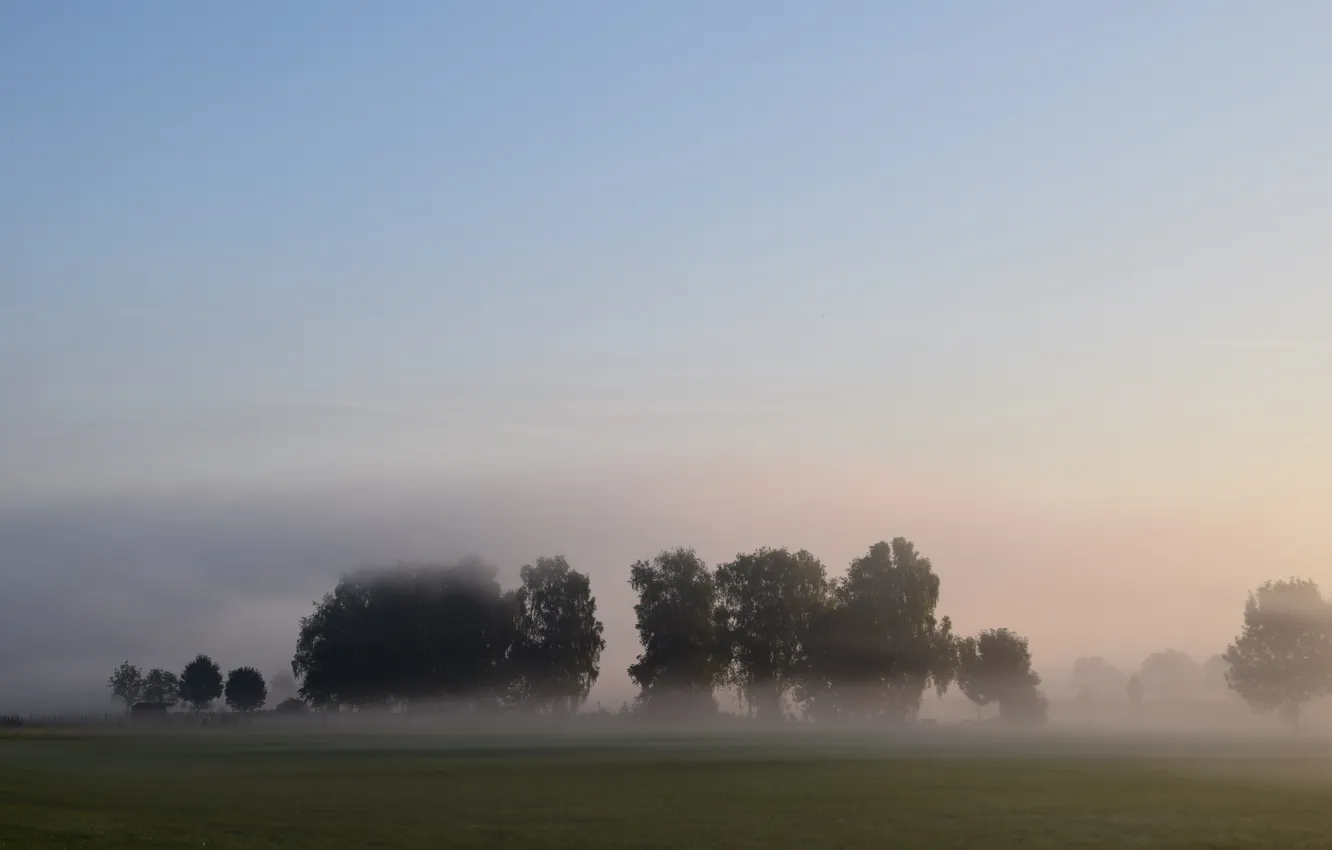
[770, 599]
[200, 682]
[557, 648]
[245, 689]
[1283, 657]
[995, 666]
[682, 659]
[872, 653]
[408, 633]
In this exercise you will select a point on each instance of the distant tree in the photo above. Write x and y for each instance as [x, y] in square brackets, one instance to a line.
[1283, 657]
[292, 705]
[245, 689]
[1098, 677]
[873, 651]
[682, 660]
[770, 599]
[200, 683]
[126, 684]
[1133, 690]
[995, 666]
[556, 652]
[1170, 675]
[408, 633]
[161, 686]
[281, 686]
[1214, 674]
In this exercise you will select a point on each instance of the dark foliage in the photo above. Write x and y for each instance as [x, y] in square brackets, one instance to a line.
[878, 645]
[245, 689]
[676, 615]
[556, 652]
[200, 683]
[126, 684]
[1283, 658]
[995, 666]
[161, 686]
[769, 601]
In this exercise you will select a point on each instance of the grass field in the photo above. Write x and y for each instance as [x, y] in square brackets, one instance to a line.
[234, 789]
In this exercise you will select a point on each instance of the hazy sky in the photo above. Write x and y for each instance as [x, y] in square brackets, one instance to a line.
[290, 287]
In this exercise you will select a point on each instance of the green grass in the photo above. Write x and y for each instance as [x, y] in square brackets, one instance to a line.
[234, 790]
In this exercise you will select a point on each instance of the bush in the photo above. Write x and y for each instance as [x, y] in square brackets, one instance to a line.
[292, 705]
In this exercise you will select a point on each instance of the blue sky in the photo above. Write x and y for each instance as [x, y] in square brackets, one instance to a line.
[1065, 255]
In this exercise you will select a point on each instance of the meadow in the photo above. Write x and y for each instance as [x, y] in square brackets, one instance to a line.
[261, 789]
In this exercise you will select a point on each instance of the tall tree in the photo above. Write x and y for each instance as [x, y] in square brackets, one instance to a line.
[1283, 657]
[408, 633]
[1171, 674]
[557, 649]
[878, 647]
[161, 686]
[126, 684]
[682, 660]
[995, 666]
[245, 689]
[770, 599]
[200, 682]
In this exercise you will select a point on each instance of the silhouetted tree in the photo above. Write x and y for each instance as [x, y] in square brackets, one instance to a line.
[995, 666]
[200, 683]
[126, 684]
[877, 647]
[1099, 678]
[408, 633]
[770, 599]
[1283, 657]
[245, 689]
[1170, 675]
[682, 660]
[557, 649]
[292, 705]
[161, 686]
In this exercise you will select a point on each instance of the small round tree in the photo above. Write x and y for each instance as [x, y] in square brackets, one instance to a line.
[245, 690]
[200, 682]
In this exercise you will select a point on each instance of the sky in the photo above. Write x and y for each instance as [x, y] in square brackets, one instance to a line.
[287, 288]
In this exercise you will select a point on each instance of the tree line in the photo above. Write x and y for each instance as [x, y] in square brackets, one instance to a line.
[197, 687]
[770, 626]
